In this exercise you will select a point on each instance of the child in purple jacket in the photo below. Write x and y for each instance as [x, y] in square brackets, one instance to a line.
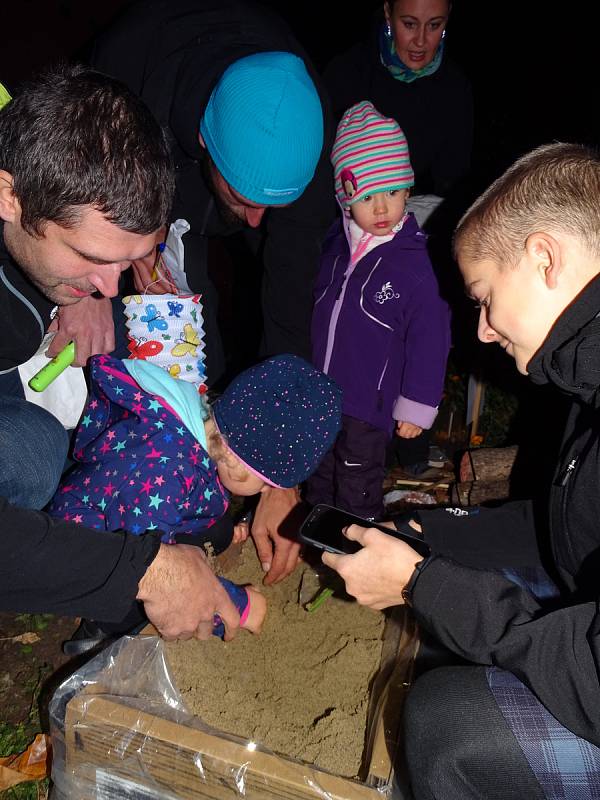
[380, 328]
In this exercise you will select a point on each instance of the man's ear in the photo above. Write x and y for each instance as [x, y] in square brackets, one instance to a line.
[10, 208]
[201, 140]
[544, 252]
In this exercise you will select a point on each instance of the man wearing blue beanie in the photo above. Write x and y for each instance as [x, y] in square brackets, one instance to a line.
[250, 132]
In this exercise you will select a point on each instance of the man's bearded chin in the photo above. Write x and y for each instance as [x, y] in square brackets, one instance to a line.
[227, 214]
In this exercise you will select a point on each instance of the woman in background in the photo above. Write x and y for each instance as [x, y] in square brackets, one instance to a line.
[402, 68]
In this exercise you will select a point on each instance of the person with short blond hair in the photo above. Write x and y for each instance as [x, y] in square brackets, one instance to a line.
[549, 188]
[519, 716]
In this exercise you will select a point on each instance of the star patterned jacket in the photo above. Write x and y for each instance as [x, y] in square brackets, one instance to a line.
[138, 466]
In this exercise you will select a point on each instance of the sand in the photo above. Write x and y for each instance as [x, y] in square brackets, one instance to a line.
[301, 688]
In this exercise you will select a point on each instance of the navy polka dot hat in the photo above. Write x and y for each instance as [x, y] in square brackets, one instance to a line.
[280, 417]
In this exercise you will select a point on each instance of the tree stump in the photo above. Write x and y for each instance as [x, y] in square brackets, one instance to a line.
[471, 493]
[487, 464]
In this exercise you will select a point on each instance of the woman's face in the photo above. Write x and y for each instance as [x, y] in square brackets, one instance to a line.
[417, 27]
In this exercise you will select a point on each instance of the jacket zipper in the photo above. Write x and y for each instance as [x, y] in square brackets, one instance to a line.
[379, 392]
[335, 314]
[568, 471]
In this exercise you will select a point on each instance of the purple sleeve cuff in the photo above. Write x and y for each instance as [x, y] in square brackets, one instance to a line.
[406, 410]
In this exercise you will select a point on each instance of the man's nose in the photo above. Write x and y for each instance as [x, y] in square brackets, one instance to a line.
[485, 332]
[106, 281]
[254, 216]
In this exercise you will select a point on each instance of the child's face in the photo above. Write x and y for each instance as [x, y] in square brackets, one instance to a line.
[517, 306]
[229, 475]
[380, 212]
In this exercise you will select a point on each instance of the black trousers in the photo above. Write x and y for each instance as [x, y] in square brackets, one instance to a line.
[351, 474]
[458, 745]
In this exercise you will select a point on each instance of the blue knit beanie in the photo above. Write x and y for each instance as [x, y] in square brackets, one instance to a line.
[263, 127]
[280, 418]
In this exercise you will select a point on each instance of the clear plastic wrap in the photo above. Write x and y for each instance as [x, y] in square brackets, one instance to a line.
[120, 729]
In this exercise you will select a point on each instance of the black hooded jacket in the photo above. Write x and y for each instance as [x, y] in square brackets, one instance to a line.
[24, 313]
[47, 565]
[487, 618]
[172, 53]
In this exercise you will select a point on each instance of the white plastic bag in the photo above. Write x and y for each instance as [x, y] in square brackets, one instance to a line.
[174, 256]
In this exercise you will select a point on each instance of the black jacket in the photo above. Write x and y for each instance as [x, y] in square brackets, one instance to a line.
[490, 620]
[172, 53]
[435, 113]
[47, 565]
[24, 313]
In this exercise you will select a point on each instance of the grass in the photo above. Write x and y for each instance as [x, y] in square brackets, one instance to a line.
[16, 738]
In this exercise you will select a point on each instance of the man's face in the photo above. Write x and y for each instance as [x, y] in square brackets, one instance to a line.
[233, 207]
[516, 307]
[67, 264]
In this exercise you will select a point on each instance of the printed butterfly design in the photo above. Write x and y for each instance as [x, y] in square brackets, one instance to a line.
[154, 319]
[175, 308]
[188, 342]
[135, 297]
[141, 348]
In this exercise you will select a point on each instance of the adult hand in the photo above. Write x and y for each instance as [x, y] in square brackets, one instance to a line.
[89, 323]
[406, 430]
[376, 574]
[181, 595]
[145, 278]
[279, 555]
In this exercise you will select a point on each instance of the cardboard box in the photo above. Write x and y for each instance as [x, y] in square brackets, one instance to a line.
[113, 749]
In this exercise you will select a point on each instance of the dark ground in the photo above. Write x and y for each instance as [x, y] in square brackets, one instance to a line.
[25, 669]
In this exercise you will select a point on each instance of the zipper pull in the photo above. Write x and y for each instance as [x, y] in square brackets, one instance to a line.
[569, 470]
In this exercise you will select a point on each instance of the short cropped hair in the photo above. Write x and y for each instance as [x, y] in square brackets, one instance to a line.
[555, 187]
[74, 137]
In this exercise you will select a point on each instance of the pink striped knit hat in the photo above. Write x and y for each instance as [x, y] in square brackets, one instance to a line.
[369, 155]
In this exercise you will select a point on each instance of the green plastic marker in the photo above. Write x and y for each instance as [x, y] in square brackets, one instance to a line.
[42, 379]
[323, 595]
[4, 96]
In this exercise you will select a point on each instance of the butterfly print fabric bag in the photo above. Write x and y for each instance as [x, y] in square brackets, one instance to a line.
[167, 330]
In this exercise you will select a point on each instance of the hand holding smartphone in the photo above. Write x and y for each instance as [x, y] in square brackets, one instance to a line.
[324, 528]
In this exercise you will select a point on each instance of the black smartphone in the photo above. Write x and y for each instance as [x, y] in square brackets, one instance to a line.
[324, 528]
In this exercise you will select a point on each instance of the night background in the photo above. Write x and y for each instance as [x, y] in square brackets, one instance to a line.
[532, 68]
[532, 71]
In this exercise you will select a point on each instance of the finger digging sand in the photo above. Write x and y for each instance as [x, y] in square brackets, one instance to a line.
[301, 688]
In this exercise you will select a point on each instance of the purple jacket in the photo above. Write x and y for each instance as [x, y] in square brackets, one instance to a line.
[380, 328]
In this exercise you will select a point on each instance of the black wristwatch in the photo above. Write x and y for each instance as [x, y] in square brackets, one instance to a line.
[409, 588]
